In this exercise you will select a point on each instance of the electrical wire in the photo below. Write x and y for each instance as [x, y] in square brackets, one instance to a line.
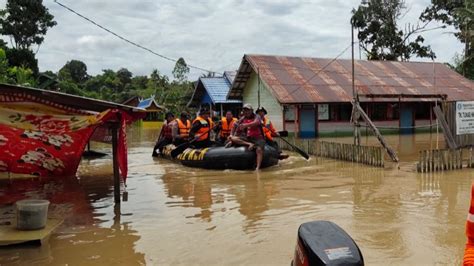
[316, 74]
[127, 40]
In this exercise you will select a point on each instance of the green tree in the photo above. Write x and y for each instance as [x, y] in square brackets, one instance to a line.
[3, 67]
[460, 15]
[22, 58]
[21, 76]
[380, 36]
[74, 70]
[181, 70]
[26, 21]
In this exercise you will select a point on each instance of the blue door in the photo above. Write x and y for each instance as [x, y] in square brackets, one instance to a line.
[406, 119]
[307, 122]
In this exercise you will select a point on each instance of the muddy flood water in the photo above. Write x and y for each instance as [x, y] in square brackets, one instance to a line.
[179, 215]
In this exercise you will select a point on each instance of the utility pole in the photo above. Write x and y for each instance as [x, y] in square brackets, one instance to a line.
[355, 99]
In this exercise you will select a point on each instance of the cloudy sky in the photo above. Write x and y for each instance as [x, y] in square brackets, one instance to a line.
[212, 34]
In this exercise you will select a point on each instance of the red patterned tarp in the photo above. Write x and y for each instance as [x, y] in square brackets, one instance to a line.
[38, 139]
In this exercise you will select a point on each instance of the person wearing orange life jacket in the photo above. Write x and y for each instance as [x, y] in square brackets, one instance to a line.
[469, 249]
[267, 126]
[269, 131]
[181, 129]
[201, 129]
[225, 126]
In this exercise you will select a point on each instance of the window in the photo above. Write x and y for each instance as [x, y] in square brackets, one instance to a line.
[340, 112]
[384, 111]
[422, 110]
[289, 112]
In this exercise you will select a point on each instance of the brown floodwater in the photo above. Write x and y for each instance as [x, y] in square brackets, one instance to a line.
[180, 215]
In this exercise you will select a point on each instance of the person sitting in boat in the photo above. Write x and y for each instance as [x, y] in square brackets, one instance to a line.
[166, 136]
[225, 126]
[269, 131]
[254, 139]
[200, 130]
[181, 129]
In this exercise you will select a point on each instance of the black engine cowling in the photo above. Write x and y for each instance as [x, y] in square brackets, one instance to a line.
[325, 243]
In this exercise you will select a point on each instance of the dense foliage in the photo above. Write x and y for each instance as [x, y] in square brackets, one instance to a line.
[460, 15]
[27, 21]
[382, 38]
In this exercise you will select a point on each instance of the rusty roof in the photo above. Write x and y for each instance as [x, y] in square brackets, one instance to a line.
[8, 91]
[310, 80]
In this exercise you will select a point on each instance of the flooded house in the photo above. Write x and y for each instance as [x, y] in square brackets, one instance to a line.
[154, 111]
[212, 92]
[312, 96]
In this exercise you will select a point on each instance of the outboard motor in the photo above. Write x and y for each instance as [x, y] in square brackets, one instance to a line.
[325, 243]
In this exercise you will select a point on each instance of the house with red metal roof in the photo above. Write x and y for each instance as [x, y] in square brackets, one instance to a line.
[312, 96]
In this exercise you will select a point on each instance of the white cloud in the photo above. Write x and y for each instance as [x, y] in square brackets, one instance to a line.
[212, 34]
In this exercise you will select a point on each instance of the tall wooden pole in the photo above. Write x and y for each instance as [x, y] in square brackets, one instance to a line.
[355, 116]
[115, 163]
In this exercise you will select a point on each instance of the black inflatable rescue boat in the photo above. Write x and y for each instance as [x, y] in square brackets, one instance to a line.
[325, 243]
[238, 158]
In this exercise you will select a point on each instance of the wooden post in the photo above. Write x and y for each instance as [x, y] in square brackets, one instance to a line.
[115, 163]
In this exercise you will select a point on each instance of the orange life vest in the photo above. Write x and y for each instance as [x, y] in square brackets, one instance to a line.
[469, 250]
[267, 128]
[183, 130]
[203, 132]
[227, 127]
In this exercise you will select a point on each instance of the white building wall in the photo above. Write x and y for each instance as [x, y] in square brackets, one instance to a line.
[270, 103]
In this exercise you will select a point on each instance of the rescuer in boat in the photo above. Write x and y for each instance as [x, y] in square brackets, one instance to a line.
[200, 130]
[251, 124]
[181, 129]
[269, 131]
[225, 126]
[166, 136]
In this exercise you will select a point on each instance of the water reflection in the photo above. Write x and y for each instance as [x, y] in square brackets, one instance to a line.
[180, 215]
[87, 208]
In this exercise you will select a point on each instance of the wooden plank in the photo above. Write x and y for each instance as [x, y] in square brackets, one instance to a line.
[376, 132]
[115, 163]
[9, 235]
[445, 127]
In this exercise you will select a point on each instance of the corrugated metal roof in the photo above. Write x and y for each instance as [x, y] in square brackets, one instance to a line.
[309, 80]
[230, 75]
[216, 87]
[145, 103]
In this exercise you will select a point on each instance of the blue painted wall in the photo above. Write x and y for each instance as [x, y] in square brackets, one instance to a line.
[206, 99]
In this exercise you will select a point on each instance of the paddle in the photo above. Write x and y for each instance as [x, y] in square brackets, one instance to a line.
[180, 148]
[283, 133]
[298, 150]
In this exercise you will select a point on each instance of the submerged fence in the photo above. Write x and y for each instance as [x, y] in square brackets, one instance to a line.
[445, 159]
[369, 155]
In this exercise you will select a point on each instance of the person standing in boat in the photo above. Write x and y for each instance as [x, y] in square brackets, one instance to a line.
[181, 129]
[166, 136]
[200, 129]
[225, 126]
[254, 139]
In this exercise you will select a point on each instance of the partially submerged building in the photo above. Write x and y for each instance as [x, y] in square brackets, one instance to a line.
[312, 96]
[212, 92]
[154, 111]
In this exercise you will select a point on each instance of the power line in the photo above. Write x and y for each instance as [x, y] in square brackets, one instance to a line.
[127, 40]
[316, 74]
